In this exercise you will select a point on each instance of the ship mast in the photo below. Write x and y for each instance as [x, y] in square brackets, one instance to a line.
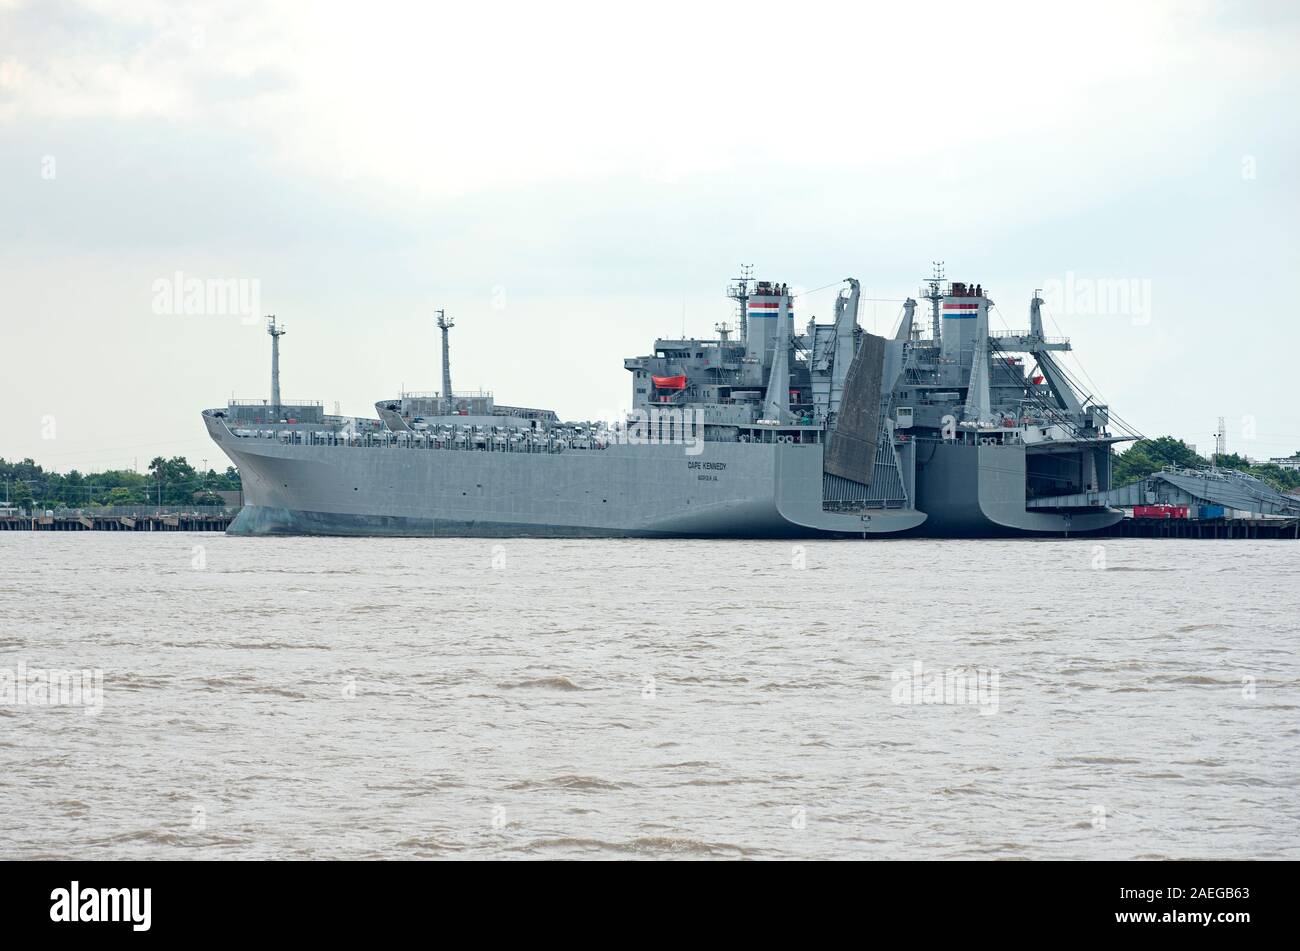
[739, 292]
[445, 325]
[933, 293]
[276, 333]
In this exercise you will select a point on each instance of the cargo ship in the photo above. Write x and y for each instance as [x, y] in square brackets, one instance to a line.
[762, 431]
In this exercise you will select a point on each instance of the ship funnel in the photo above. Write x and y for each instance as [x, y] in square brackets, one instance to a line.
[770, 318]
[965, 310]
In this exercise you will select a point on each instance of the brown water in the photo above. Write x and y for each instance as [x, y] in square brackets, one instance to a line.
[514, 699]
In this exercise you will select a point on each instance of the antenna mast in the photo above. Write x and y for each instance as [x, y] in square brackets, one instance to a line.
[276, 333]
[739, 292]
[934, 294]
[445, 325]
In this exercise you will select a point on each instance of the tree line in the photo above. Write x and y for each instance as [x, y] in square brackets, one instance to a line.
[1151, 455]
[168, 482]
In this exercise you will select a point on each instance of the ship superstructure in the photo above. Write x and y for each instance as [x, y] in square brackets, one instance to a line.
[993, 422]
[825, 387]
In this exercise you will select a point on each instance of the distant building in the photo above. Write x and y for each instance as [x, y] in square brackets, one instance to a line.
[1287, 462]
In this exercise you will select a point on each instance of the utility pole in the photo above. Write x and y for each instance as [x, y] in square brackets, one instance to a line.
[276, 333]
[445, 325]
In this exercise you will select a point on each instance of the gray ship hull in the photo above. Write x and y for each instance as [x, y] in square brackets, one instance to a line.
[647, 491]
[972, 491]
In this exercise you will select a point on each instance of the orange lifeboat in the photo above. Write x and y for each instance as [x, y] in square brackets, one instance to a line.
[669, 382]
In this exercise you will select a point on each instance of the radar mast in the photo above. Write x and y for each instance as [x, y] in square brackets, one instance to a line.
[445, 325]
[276, 333]
[738, 291]
[933, 292]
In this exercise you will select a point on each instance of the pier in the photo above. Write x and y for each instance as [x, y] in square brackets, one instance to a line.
[89, 521]
[1244, 528]
[219, 521]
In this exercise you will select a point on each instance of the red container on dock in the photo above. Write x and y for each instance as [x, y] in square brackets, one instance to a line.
[1160, 511]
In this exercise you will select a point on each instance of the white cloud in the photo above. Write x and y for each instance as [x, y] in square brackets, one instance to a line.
[445, 99]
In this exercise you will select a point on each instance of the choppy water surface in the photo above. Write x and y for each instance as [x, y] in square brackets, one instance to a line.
[542, 699]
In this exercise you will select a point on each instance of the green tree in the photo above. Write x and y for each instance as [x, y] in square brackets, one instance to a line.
[121, 495]
[173, 480]
[1151, 455]
[20, 495]
[30, 486]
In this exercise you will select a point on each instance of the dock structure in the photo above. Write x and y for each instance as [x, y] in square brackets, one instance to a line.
[1209, 493]
[1211, 528]
[1225, 528]
[178, 522]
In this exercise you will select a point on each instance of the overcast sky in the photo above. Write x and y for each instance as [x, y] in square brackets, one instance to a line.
[571, 180]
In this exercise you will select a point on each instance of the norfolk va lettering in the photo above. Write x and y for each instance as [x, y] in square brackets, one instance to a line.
[102, 904]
